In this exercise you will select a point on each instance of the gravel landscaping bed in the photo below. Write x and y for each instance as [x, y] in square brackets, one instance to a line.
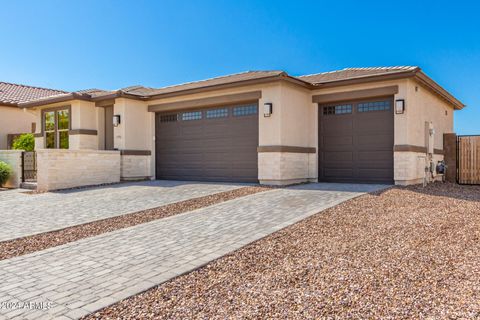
[402, 253]
[21, 246]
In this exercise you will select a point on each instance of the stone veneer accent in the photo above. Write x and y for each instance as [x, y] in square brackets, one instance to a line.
[83, 141]
[14, 159]
[409, 167]
[61, 169]
[134, 167]
[283, 168]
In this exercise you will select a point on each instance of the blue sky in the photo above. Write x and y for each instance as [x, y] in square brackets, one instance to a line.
[75, 45]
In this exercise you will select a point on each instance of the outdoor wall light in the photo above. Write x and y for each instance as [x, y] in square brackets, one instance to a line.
[116, 120]
[399, 106]
[267, 109]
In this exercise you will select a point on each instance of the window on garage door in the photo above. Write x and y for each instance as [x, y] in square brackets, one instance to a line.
[374, 106]
[339, 109]
[217, 113]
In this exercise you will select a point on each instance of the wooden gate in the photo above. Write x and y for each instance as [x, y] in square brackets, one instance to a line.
[468, 159]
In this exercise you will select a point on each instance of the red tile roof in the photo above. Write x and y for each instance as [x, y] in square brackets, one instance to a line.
[11, 93]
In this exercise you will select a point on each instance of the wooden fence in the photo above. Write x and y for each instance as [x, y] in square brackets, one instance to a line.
[468, 158]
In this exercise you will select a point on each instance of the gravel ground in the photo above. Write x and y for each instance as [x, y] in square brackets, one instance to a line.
[21, 246]
[398, 254]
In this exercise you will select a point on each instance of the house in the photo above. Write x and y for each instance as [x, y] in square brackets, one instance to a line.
[372, 125]
[15, 120]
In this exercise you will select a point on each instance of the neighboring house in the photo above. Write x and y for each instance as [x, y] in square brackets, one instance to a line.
[375, 125]
[15, 120]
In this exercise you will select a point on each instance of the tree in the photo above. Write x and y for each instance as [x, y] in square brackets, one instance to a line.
[25, 142]
[5, 173]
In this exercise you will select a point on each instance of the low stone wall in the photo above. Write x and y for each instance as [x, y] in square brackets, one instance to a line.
[62, 169]
[14, 159]
[283, 168]
[135, 167]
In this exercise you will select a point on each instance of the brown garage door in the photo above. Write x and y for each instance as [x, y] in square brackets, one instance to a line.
[215, 144]
[356, 141]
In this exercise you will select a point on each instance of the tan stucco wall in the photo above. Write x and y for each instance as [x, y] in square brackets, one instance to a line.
[298, 117]
[14, 159]
[100, 118]
[294, 124]
[61, 169]
[135, 132]
[423, 106]
[84, 115]
[14, 120]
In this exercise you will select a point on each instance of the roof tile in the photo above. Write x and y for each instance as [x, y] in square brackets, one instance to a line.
[352, 73]
[16, 93]
[238, 77]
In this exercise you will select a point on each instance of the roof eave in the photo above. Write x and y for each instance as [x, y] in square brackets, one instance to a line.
[9, 104]
[279, 77]
[368, 78]
[119, 94]
[428, 82]
[55, 99]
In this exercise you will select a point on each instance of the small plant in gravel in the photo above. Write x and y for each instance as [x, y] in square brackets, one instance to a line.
[5, 173]
[25, 142]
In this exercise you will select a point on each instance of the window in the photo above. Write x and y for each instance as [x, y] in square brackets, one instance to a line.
[245, 110]
[50, 130]
[217, 113]
[196, 115]
[374, 106]
[56, 128]
[340, 109]
[168, 118]
[63, 125]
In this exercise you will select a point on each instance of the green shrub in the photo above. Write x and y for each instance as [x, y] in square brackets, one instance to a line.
[25, 142]
[5, 172]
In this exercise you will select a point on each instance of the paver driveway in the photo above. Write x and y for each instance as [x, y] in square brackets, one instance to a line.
[87, 275]
[23, 215]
